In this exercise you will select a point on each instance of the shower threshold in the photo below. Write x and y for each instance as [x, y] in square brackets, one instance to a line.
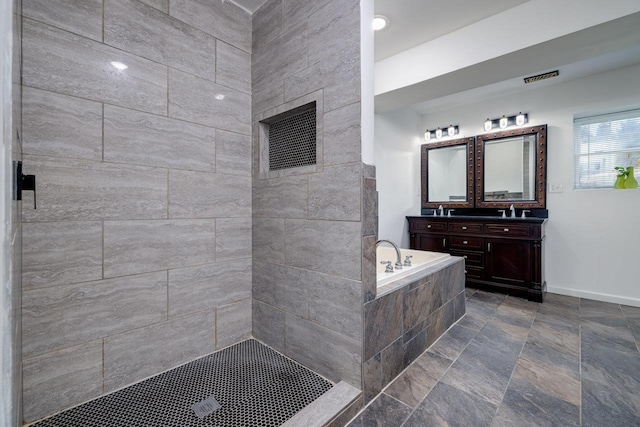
[248, 384]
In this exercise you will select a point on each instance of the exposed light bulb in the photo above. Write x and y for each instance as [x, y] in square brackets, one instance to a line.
[488, 125]
[427, 135]
[451, 130]
[520, 119]
[438, 133]
[119, 65]
[503, 122]
[380, 22]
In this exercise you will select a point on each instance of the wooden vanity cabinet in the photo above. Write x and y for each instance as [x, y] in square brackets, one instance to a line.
[500, 254]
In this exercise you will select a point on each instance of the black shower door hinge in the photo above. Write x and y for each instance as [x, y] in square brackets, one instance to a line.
[22, 183]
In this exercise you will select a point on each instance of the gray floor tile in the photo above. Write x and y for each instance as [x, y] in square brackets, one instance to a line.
[385, 411]
[615, 335]
[417, 380]
[449, 406]
[452, 343]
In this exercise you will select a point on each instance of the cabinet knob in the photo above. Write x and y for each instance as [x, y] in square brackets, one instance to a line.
[506, 230]
[464, 228]
[464, 242]
[429, 226]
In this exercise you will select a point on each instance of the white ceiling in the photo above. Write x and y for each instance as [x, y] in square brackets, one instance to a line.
[413, 22]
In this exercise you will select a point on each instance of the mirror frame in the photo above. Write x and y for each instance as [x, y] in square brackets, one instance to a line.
[424, 155]
[540, 133]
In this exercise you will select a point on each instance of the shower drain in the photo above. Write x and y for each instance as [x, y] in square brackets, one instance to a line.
[252, 385]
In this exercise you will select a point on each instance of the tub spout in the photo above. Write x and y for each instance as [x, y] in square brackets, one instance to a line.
[399, 257]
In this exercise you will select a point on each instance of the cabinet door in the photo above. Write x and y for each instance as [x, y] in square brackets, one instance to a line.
[435, 243]
[508, 262]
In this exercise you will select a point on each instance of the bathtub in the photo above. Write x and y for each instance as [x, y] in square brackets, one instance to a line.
[421, 261]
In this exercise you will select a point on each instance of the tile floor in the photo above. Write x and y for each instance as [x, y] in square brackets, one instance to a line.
[511, 362]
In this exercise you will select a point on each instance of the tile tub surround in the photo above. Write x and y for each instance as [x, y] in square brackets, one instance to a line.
[142, 236]
[568, 362]
[312, 226]
[401, 324]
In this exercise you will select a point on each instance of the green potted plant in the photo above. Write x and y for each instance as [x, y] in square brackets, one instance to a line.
[626, 175]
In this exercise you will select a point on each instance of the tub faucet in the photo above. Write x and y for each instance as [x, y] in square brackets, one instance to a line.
[513, 211]
[399, 257]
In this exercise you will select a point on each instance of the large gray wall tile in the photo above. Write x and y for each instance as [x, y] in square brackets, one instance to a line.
[199, 288]
[336, 17]
[339, 358]
[60, 253]
[339, 78]
[233, 67]
[233, 238]
[336, 303]
[268, 240]
[62, 316]
[61, 379]
[233, 323]
[268, 95]
[297, 12]
[223, 20]
[342, 143]
[63, 62]
[282, 57]
[267, 22]
[61, 126]
[82, 17]
[268, 325]
[281, 286]
[132, 247]
[73, 190]
[203, 195]
[334, 194]
[149, 33]
[201, 101]
[280, 197]
[162, 5]
[146, 139]
[330, 247]
[134, 355]
[233, 153]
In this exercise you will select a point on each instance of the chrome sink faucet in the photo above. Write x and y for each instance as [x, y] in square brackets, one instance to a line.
[399, 257]
[513, 211]
[441, 209]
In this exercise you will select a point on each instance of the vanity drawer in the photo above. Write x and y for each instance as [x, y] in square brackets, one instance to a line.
[429, 226]
[473, 272]
[466, 243]
[461, 227]
[508, 229]
[470, 258]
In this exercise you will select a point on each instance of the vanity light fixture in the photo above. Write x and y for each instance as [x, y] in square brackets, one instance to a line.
[438, 133]
[380, 22]
[119, 65]
[506, 121]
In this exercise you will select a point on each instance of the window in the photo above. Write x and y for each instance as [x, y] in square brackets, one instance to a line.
[603, 142]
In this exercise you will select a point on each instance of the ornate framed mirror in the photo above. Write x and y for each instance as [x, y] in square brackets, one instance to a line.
[447, 174]
[511, 168]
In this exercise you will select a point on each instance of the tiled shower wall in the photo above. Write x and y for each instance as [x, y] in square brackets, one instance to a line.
[138, 256]
[308, 228]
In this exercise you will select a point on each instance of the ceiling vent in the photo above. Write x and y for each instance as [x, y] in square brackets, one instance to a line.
[539, 77]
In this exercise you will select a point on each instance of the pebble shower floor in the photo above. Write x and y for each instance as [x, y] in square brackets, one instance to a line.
[254, 385]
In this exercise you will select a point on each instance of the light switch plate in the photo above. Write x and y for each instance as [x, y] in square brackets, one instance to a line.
[555, 188]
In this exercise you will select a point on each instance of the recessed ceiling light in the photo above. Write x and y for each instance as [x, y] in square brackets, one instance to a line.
[119, 65]
[380, 22]
[219, 97]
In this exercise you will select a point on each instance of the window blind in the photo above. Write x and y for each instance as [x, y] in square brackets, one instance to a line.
[603, 142]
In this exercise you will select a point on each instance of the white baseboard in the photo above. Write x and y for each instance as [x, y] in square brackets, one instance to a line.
[598, 296]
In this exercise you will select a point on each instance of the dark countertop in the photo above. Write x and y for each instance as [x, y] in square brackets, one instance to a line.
[481, 217]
